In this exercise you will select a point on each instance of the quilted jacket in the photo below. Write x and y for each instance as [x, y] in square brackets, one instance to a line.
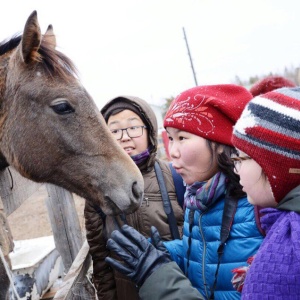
[201, 239]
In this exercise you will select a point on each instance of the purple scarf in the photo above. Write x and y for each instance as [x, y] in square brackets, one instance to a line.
[275, 270]
[141, 157]
[200, 196]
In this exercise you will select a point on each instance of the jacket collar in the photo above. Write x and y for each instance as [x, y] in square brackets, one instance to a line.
[291, 201]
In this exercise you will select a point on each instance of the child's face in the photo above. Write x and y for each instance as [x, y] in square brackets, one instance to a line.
[190, 156]
[254, 182]
[129, 119]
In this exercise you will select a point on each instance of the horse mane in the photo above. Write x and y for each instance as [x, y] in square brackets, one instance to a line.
[53, 61]
[9, 45]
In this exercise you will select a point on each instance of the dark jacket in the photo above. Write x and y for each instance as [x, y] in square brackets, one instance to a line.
[197, 252]
[174, 285]
[109, 283]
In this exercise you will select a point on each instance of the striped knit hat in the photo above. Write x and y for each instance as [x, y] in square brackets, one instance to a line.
[269, 132]
[209, 111]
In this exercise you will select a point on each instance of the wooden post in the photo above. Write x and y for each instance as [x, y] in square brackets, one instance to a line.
[77, 275]
[65, 223]
[15, 189]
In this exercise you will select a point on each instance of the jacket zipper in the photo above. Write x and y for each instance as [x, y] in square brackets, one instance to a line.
[135, 218]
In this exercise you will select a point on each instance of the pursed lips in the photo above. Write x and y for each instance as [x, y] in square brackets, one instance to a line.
[177, 169]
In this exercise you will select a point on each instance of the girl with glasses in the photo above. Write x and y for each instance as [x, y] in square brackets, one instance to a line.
[133, 123]
[268, 135]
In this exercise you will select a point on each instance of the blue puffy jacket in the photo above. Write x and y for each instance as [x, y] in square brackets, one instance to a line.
[196, 253]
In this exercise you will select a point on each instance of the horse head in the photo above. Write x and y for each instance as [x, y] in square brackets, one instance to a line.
[52, 131]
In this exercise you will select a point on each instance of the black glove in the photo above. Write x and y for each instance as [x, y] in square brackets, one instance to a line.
[141, 257]
[157, 242]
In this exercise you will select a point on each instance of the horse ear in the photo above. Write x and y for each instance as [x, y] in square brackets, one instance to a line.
[31, 39]
[49, 37]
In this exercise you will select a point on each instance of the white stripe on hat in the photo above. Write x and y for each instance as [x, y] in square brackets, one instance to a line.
[246, 120]
[280, 108]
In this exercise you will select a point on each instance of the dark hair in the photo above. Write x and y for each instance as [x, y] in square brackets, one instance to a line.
[115, 112]
[226, 166]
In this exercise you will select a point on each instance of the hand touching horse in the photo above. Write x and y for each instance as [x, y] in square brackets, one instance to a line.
[51, 130]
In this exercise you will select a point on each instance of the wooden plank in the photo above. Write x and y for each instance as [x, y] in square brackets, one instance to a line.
[50, 294]
[15, 189]
[76, 275]
[65, 223]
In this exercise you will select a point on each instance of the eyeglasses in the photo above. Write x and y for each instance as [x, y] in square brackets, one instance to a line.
[237, 161]
[132, 132]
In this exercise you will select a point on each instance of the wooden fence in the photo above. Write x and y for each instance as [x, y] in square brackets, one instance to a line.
[73, 249]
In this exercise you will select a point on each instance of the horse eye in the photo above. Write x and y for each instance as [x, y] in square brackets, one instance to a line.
[63, 108]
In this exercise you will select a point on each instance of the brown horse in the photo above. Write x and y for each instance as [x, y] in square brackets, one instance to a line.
[51, 130]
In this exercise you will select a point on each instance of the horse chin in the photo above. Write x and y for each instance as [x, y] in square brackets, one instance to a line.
[112, 209]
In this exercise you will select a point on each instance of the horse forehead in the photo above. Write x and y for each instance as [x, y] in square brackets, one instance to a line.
[40, 81]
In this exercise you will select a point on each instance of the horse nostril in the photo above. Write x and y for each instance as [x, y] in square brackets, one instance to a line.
[136, 190]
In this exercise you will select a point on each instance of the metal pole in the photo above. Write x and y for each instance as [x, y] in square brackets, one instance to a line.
[187, 45]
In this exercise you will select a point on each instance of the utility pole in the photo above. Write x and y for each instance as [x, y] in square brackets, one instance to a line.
[187, 45]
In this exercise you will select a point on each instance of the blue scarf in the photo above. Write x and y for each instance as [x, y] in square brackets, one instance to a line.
[141, 157]
[201, 196]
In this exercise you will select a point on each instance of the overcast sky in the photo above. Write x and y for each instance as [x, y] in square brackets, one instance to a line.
[138, 48]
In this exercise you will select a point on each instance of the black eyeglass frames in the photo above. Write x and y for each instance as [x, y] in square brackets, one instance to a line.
[132, 132]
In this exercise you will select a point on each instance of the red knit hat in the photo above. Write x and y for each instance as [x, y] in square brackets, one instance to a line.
[208, 111]
[269, 132]
[269, 84]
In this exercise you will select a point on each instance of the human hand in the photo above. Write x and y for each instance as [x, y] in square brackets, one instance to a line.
[140, 257]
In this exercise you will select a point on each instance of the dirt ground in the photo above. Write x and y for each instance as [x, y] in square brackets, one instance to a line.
[31, 219]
